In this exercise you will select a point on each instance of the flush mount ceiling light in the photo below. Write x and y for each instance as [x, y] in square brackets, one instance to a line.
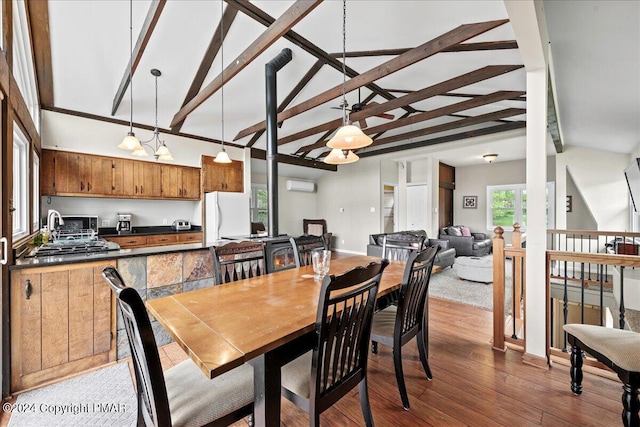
[130, 142]
[159, 149]
[341, 157]
[490, 157]
[348, 137]
[222, 156]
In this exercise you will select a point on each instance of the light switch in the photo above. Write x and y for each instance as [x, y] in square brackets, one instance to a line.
[373, 209]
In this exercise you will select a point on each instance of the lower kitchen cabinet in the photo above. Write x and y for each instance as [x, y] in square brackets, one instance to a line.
[62, 322]
[142, 241]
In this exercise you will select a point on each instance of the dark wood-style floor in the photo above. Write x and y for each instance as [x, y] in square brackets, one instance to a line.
[472, 385]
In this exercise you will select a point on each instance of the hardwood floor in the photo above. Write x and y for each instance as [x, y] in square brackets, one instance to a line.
[472, 385]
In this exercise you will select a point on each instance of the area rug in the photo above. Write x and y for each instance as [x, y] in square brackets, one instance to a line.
[446, 285]
[101, 398]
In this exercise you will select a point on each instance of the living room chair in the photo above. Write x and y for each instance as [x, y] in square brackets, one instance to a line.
[237, 260]
[183, 395]
[303, 246]
[317, 227]
[338, 361]
[619, 350]
[396, 325]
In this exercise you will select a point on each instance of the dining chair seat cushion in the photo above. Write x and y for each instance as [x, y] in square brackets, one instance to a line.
[618, 345]
[295, 375]
[384, 321]
[195, 400]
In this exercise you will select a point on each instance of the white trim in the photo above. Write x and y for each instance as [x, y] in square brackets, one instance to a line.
[20, 183]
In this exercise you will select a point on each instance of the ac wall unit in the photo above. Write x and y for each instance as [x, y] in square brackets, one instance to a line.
[303, 186]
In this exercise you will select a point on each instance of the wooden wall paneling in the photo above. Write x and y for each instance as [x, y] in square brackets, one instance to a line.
[38, 13]
[104, 321]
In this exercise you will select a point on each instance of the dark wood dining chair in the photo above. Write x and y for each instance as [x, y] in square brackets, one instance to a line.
[237, 260]
[396, 325]
[338, 361]
[619, 350]
[303, 246]
[183, 395]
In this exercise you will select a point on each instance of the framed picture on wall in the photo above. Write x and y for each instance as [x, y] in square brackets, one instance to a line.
[470, 202]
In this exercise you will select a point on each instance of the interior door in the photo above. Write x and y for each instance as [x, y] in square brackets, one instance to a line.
[445, 208]
[417, 207]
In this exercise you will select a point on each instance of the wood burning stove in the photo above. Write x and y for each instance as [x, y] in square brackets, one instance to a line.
[278, 254]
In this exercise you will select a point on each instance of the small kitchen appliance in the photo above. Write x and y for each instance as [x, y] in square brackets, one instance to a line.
[124, 223]
[181, 225]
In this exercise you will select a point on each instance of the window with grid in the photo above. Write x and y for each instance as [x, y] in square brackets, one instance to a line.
[507, 204]
[20, 184]
[259, 204]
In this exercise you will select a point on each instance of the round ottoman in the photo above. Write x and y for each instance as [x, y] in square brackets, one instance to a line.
[476, 269]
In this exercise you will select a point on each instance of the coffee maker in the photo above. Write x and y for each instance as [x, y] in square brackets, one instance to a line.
[124, 223]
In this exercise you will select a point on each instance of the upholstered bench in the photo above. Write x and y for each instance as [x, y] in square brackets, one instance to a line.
[476, 269]
[619, 350]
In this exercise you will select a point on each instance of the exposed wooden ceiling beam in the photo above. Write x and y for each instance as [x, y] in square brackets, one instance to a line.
[294, 160]
[461, 47]
[280, 26]
[552, 118]
[41, 40]
[153, 15]
[498, 96]
[430, 48]
[294, 92]
[227, 18]
[437, 89]
[470, 121]
[264, 18]
[443, 139]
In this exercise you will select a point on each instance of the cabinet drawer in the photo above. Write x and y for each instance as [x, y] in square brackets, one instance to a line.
[190, 237]
[129, 241]
[162, 239]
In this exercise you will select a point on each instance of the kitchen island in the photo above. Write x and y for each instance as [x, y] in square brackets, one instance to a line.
[63, 314]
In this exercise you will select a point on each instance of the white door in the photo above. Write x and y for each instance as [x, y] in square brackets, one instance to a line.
[417, 207]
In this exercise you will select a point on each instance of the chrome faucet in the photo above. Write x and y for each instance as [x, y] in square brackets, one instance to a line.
[51, 215]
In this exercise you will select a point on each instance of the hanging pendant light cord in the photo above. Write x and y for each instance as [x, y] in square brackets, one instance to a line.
[344, 62]
[222, 66]
[131, 66]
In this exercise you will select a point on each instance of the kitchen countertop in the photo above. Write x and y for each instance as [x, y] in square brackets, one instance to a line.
[143, 231]
[48, 261]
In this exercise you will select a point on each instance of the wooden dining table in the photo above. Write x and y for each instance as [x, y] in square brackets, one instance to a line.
[266, 320]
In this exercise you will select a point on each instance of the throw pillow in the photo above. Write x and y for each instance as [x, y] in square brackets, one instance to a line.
[315, 229]
[465, 231]
[454, 231]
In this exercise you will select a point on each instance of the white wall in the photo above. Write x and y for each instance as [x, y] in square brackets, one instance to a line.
[580, 217]
[600, 177]
[71, 133]
[293, 206]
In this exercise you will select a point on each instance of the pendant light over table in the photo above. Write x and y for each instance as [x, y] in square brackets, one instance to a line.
[222, 156]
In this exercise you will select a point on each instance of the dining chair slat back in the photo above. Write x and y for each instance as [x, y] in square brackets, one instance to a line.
[153, 404]
[304, 246]
[339, 358]
[399, 250]
[237, 260]
[183, 395]
[396, 325]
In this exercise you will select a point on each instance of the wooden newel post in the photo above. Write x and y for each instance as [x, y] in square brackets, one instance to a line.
[516, 236]
[498, 289]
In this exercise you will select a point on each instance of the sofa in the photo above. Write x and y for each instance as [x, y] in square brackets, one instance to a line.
[444, 258]
[465, 242]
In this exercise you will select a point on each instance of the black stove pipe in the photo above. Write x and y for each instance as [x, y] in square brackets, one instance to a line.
[271, 68]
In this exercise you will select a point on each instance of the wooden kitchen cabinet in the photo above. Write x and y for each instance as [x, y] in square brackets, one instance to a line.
[63, 321]
[75, 174]
[141, 241]
[222, 176]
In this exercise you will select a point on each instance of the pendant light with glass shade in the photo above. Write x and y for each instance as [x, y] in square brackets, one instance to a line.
[130, 142]
[159, 149]
[348, 137]
[222, 156]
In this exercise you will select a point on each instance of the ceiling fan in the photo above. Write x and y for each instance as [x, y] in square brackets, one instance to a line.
[360, 106]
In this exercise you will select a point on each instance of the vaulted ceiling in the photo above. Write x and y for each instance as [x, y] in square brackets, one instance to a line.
[435, 71]
[445, 70]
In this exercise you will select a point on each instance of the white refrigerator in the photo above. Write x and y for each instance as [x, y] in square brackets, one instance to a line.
[226, 215]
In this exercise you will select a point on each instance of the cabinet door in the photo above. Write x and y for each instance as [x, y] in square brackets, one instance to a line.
[191, 183]
[171, 186]
[123, 178]
[151, 187]
[62, 322]
[101, 179]
[233, 178]
[222, 177]
[48, 173]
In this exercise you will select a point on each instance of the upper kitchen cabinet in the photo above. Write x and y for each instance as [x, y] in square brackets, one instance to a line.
[222, 176]
[76, 174]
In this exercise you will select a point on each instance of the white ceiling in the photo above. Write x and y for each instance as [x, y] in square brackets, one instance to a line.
[595, 56]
